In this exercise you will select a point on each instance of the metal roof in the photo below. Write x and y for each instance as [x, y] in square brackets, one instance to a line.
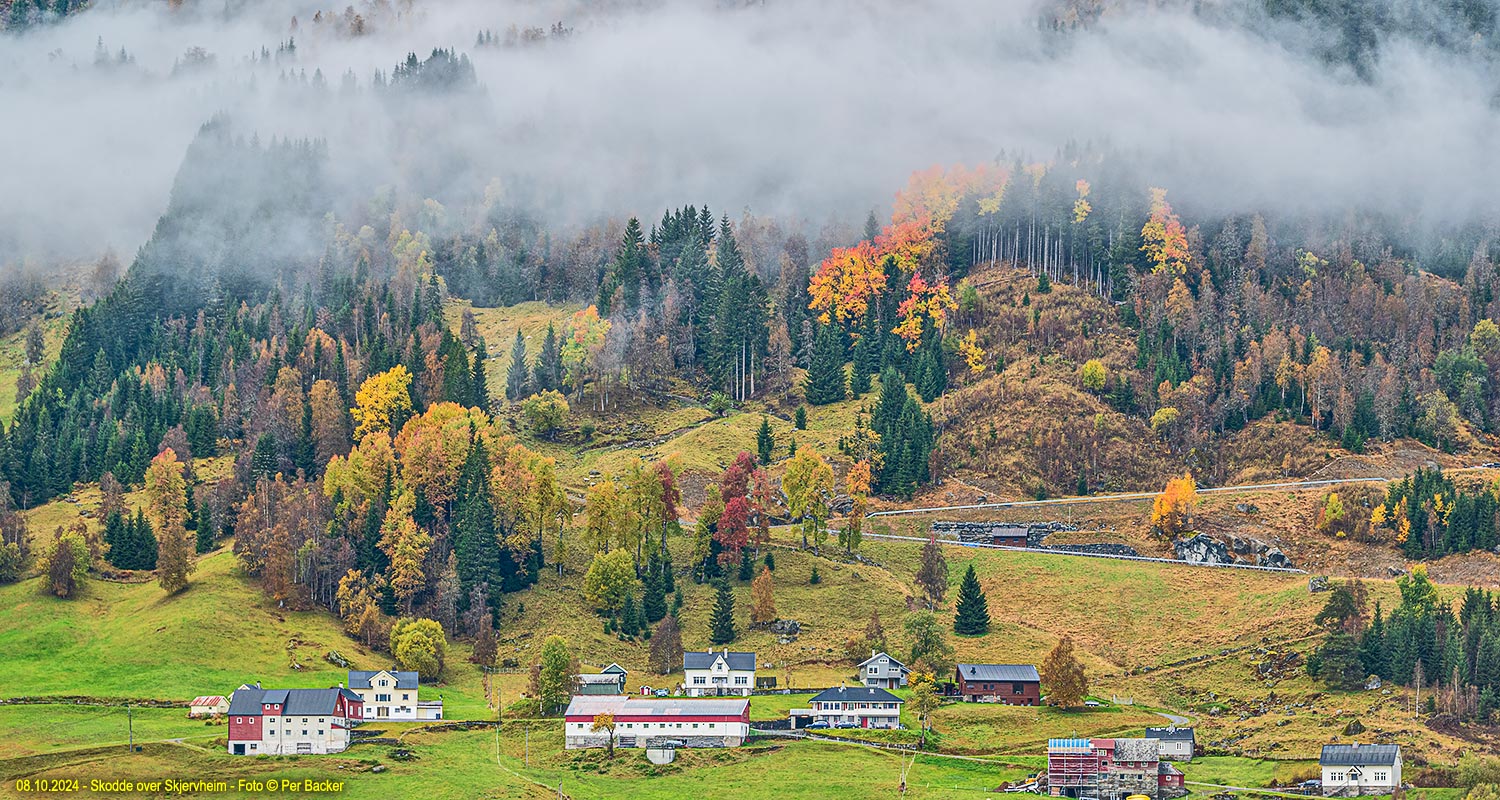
[252, 702]
[697, 659]
[1170, 734]
[360, 678]
[624, 705]
[887, 655]
[1359, 755]
[610, 678]
[999, 672]
[1069, 744]
[207, 700]
[854, 694]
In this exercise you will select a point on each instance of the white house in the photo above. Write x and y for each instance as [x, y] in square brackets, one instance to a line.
[1356, 769]
[711, 674]
[285, 722]
[857, 706]
[1177, 744]
[657, 721]
[392, 695]
[881, 671]
[211, 705]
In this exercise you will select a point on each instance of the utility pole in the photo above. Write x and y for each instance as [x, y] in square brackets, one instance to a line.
[130, 722]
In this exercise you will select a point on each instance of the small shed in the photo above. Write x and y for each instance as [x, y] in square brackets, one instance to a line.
[210, 705]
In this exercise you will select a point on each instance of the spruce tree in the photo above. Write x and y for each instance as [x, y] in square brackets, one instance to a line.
[481, 382]
[547, 373]
[747, 565]
[799, 418]
[765, 441]
[205, 528]
[515, 377]
[721, 624]
[117, 536]
[475, 544]
[144, 542]
[825, 373]
[863, 364]
[972, 613]
[653, 598]
[630, 617]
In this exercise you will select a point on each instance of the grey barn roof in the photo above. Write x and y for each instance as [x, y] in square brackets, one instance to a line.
[1170, 734]
[360, 678]
[627, 706]
[854, 694]
[999, 672]
[1359, 755]
[705, 660]
[252, 702]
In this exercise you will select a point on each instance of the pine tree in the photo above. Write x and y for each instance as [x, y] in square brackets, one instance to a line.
[765, 441]
[825, 373]
[863, 364]
[799, 418]
[204, 530]
[972, 613]
[722, 630]
[516, 375]
[747, 565]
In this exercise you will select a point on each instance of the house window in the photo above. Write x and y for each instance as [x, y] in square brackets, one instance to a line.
[320, 720]
[740, 681]
[383, 683]
[698, 680]
[405, 696]
[252, 745]
[320, 731]
[1018, 688]
[304, 731]
[1380, 776]
[695, 724]
[238, 720]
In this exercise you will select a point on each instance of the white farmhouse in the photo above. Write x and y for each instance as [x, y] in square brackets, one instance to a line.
[711, 674]
[1355, 769]
[392, 695]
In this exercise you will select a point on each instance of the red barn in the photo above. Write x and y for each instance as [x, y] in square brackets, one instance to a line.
[1011, 684]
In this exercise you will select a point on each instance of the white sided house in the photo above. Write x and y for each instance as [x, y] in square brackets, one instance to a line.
[1356, 769]
[392, 695]
[711, 674]
[857, 706]
[657, 721]
[288, 722]
[1177, 744]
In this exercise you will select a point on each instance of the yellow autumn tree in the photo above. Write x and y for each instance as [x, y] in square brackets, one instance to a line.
[166, 507]
[1163, 239]
[973, 354]
[383, 402]
[1172, 511]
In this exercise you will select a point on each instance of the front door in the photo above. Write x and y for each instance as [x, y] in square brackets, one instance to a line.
[239, 749]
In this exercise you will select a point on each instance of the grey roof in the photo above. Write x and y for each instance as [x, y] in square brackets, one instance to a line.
[625, 705]
[1136, 750]
[360, 678]
[999, 672]
[251, 702]
[611, 678]
[697, 659]
[854, 694]
[1170, 734]
[887, 655]
[1359, 755]
[246, 701]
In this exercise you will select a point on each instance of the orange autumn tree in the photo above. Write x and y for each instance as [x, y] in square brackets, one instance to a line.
[1172, 511]
[1163, 239]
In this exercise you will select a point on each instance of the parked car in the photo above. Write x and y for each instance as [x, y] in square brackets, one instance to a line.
[846, 725]
[818, 725]
[1091, 703]
[663, 693]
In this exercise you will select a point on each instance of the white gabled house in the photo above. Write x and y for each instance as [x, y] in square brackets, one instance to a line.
[392, 695]
[882, 671]
[1357, 769]
[857, 706]
[212, 705]
[714, 674]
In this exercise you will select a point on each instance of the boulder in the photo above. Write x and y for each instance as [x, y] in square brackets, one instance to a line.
[1273, 557]
[1318, 583]
[1354, 728]
[1395, 572]
[1246, 508]
[842, 505]
[786, 627]
[1202, 550]
[1372, 683]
